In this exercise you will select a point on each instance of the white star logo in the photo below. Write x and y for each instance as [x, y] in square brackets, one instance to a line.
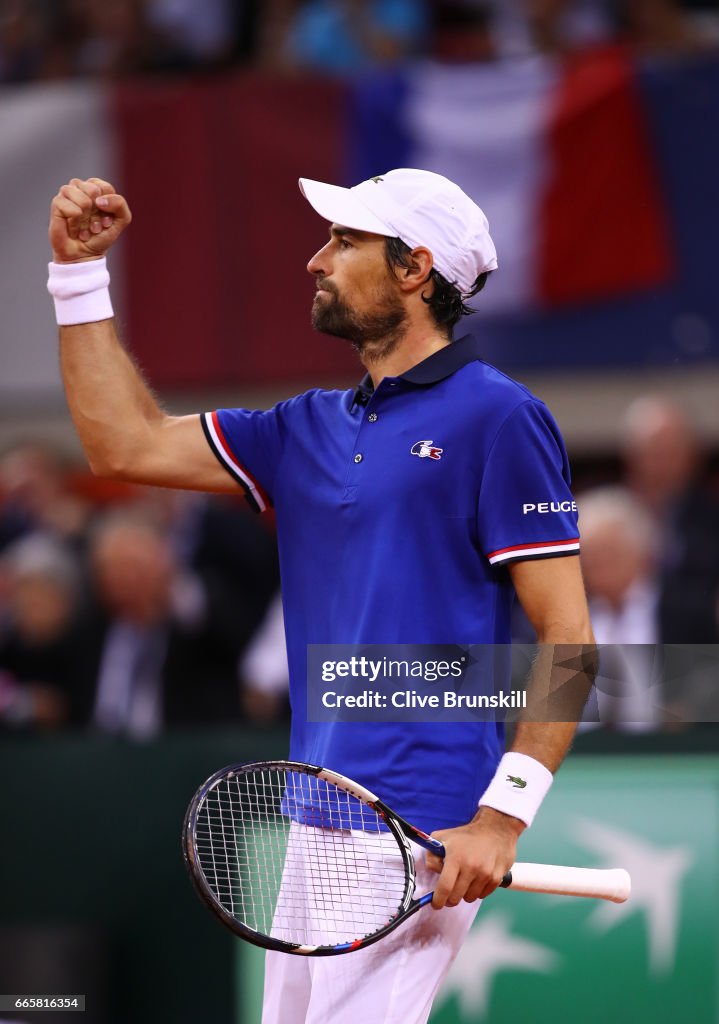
[489, 948]
[656, 874]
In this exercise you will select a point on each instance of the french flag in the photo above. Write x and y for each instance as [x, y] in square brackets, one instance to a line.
[603, 243]
[598, 174]
[559, 157]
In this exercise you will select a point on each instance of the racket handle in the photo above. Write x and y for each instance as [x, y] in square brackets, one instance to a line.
[604, 884]
[431, 845]
[422, 839]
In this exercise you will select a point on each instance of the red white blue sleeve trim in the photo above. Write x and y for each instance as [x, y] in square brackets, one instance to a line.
[254, 493]
[537, 549]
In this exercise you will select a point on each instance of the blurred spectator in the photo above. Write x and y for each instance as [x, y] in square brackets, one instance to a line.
[549, 26]
[619, 553]
[664, 27]
[228, 548]
[619, 550]
[37, 643]
[109, 38]
[664, 470]
[263, 667]
[344, 36]
[204, 33]
[704, 16]
[152, 655]
[103, 37]
[34, 495]
[112, 38]
[462, 32]
[23, 40]
[557, 26]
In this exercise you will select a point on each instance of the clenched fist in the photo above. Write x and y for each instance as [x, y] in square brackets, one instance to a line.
[86, 218]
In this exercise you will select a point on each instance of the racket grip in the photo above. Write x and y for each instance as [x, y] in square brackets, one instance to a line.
[612, 884]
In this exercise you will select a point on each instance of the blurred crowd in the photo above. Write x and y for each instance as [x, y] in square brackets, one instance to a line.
[130, 610]
[125, 609]
[650, 557]
[51, 39]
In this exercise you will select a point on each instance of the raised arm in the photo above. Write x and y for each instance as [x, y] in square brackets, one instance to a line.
[123, 429]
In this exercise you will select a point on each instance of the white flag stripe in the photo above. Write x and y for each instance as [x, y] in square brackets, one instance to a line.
[485, 128]
[50, 133]
[230, 461]
[530, 551]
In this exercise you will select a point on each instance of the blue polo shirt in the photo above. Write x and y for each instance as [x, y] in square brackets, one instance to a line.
[397, 512]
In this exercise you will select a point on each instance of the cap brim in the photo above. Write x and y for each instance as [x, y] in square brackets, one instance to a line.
[341, 206]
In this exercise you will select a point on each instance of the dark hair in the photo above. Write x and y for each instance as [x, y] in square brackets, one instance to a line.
[446, 303]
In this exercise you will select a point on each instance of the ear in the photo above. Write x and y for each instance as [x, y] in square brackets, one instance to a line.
[415, 276]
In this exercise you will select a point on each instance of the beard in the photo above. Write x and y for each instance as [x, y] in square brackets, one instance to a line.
[374, 335]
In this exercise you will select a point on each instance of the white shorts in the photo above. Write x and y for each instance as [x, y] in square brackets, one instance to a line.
[393, 981]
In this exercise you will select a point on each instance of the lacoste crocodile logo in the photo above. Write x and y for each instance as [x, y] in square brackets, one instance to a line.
[518, 783]
[377, 179]
[426, 450]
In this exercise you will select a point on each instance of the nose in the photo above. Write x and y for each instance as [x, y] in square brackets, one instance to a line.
[319, 264]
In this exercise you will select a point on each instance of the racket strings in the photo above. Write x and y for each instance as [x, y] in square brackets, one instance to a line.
[297, 858]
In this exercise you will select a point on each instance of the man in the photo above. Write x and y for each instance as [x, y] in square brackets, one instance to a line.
[153, 632]
[619, 564]
[38, 642]
[664, 467]
[408, 511]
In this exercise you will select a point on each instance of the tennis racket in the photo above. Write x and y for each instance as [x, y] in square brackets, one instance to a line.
[300, 859]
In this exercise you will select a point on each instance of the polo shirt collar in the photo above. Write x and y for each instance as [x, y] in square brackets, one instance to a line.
[434, 368]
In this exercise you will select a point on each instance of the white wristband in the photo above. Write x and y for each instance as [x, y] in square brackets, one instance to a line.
[518, 787]
[80, 291]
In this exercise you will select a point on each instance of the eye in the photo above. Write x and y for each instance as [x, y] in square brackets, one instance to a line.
[344, 244]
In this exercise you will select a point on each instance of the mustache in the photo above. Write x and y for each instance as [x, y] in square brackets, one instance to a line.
[326, 286]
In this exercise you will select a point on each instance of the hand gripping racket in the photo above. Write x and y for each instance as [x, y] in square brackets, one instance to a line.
[300, 859]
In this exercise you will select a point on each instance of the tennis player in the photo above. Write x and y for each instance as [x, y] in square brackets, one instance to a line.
[411, 509]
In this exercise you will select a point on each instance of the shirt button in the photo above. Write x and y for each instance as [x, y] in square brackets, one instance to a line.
[358, 457]
[372, 417]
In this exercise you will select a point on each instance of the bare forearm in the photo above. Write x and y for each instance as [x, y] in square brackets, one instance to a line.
[547, 742]
[557, 691]
[113, 409]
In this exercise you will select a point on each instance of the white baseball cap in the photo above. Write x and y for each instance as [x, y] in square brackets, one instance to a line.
[420, 207]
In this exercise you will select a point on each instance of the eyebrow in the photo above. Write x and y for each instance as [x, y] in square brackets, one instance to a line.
[337, 232]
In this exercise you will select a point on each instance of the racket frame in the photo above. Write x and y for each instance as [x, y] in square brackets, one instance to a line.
[397, 826]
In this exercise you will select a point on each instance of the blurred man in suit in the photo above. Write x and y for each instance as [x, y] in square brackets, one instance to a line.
[663, 467]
